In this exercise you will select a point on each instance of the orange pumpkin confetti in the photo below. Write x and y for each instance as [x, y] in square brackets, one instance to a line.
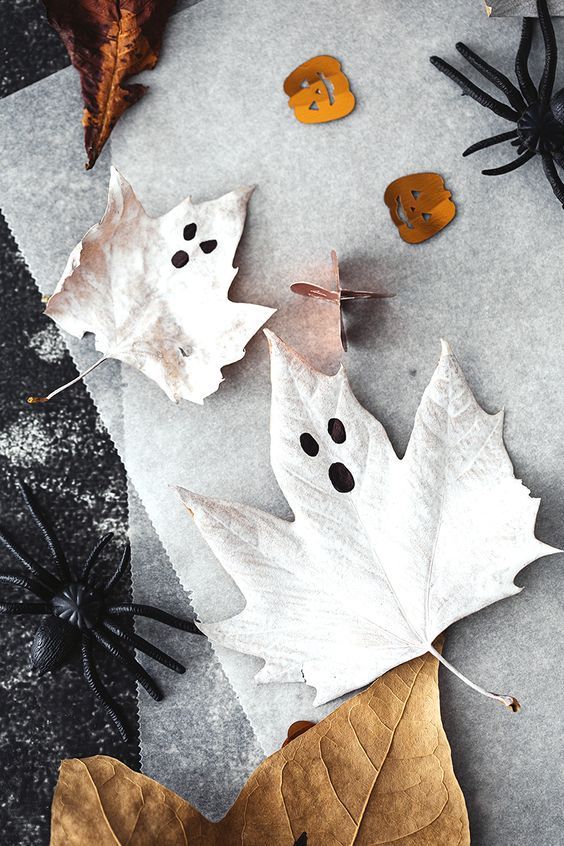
[319, 91]
[420, 206]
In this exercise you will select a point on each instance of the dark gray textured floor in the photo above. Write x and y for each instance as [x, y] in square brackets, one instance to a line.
[62, 450]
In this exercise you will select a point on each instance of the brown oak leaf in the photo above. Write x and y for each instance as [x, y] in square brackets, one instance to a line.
[377, 770]
[108, 41]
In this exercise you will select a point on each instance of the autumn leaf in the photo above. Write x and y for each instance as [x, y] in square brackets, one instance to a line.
[109, 41]
[377, 770]
[154, 291]
[383, 554]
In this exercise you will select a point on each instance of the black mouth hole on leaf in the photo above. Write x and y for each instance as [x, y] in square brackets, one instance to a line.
[341, 478]
[337, 430]
[180, 258]
[309, 444]
[208, 246]
[190, 231]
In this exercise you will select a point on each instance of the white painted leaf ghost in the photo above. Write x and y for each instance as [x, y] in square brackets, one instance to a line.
[383, 553]
[154, 290]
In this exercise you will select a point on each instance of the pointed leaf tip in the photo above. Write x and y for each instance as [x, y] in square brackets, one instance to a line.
[275, 343]
[445, 348]
[183, 494]
[247, 191]
[283, 353]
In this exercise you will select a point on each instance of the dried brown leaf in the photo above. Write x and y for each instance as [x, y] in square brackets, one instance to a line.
[108, 41]
[377, 771]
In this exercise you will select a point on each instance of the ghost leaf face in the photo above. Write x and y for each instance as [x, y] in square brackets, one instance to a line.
[339, 474]
[384, 553]
[154, 290]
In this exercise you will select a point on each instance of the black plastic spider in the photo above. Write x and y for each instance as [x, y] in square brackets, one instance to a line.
[539, 116]
[80, 614]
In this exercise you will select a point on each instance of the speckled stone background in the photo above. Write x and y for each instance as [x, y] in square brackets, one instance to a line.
[66, 453]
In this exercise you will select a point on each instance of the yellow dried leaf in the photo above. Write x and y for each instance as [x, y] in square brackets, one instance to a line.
[375, 772]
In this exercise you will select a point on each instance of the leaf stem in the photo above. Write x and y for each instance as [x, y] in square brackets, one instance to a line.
[34, 400]
[508, 701]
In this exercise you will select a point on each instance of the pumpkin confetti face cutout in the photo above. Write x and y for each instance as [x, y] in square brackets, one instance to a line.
[154, 290]
[420, 206]
[319, 91]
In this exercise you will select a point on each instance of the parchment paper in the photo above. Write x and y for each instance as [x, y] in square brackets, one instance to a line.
[491, 283]
[197, 741]
[197, 737]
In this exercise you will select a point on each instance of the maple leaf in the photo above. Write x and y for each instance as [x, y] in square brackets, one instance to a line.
[154, 291]
[108, 41]
[376, 770]
[383, 553]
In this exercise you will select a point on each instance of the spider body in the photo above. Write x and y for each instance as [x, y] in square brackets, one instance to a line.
[76, 609]
[540, 130]
[80, 614]
[538, 114]
[78, 605]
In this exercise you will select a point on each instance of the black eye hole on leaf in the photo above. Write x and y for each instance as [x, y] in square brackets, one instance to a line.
[208, 246]
[180, 258]
[190, 231]
[339, 475]
[309, 444]
[337, 431]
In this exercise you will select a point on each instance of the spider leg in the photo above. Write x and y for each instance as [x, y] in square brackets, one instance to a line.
[31, 585]
[489, 142]
[519, 145]
[93, 680]
[473, 91]
[551, 54]
[111, 645]
[526, 84]
[144, 646]
[121, 569]
[95, 554]
[46, 530]
[23, 608]
[156, 614]
[553, 177]
[44, 576]
[499, 79]
[507, 168]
